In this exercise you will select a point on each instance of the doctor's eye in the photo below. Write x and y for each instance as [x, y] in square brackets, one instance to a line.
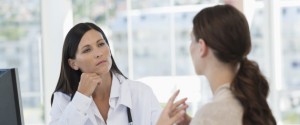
[86, 50]
[101, 44]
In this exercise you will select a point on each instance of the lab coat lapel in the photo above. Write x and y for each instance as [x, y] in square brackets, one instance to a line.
[120, 88]
[115, 91]
[125, 94]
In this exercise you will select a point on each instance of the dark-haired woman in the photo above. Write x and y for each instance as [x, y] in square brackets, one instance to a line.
[219, 49]
[91, 90]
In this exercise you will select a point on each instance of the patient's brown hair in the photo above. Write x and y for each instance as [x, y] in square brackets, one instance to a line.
[225, 30]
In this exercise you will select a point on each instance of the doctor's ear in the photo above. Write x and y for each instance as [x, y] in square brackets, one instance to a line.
[72, 64]
[203, 47]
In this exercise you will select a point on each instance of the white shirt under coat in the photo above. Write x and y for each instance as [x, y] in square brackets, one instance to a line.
[82, 110]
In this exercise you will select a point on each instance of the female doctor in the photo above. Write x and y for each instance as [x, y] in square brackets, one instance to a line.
[91, 90]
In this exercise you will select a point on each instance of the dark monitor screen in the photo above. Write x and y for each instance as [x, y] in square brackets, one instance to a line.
[11, 112]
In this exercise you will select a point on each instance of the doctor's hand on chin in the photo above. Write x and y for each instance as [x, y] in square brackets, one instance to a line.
[88, 83]
[173, 113]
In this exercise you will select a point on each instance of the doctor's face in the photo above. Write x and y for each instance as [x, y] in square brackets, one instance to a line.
[92, 55]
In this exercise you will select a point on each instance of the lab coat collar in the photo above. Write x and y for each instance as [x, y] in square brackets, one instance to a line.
[120, 91]
[115, 87]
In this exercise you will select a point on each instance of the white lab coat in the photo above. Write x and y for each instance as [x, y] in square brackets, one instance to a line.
[82, 110]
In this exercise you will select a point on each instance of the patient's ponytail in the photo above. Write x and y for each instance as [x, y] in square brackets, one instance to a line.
[251, 88]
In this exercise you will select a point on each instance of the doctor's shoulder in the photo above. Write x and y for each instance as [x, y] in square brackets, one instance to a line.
[138, 87]
[142, 95]
[60, 102]
[61, 99]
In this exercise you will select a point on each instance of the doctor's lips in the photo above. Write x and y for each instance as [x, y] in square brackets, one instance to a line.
[102, 61]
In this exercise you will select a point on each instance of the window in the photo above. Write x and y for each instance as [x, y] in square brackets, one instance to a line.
[20, 34]
[290, 93]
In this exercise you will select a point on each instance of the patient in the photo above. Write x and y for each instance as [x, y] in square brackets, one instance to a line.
[219, 49]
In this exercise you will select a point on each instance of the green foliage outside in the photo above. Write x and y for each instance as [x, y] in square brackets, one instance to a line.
[291, 117]
[11, 33]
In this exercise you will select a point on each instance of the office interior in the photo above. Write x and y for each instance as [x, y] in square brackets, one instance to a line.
[150, 42]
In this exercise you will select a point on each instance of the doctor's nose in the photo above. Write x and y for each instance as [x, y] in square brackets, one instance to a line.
[98, 55]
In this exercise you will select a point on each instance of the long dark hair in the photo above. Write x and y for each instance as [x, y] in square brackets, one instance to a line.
[69, 78]
[225, 30]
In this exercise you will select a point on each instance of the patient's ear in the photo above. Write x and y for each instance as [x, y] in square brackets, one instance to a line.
[203, 47]
[72, 64]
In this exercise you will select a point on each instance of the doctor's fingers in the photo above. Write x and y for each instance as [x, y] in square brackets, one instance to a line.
[88, 83]
[90, 78]
[178, 117]
[178, 109]
[178, 103]
[177, 106]
[86, 75]
[171, 100]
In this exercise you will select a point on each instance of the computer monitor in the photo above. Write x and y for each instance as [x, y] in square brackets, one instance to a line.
[11, 112]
